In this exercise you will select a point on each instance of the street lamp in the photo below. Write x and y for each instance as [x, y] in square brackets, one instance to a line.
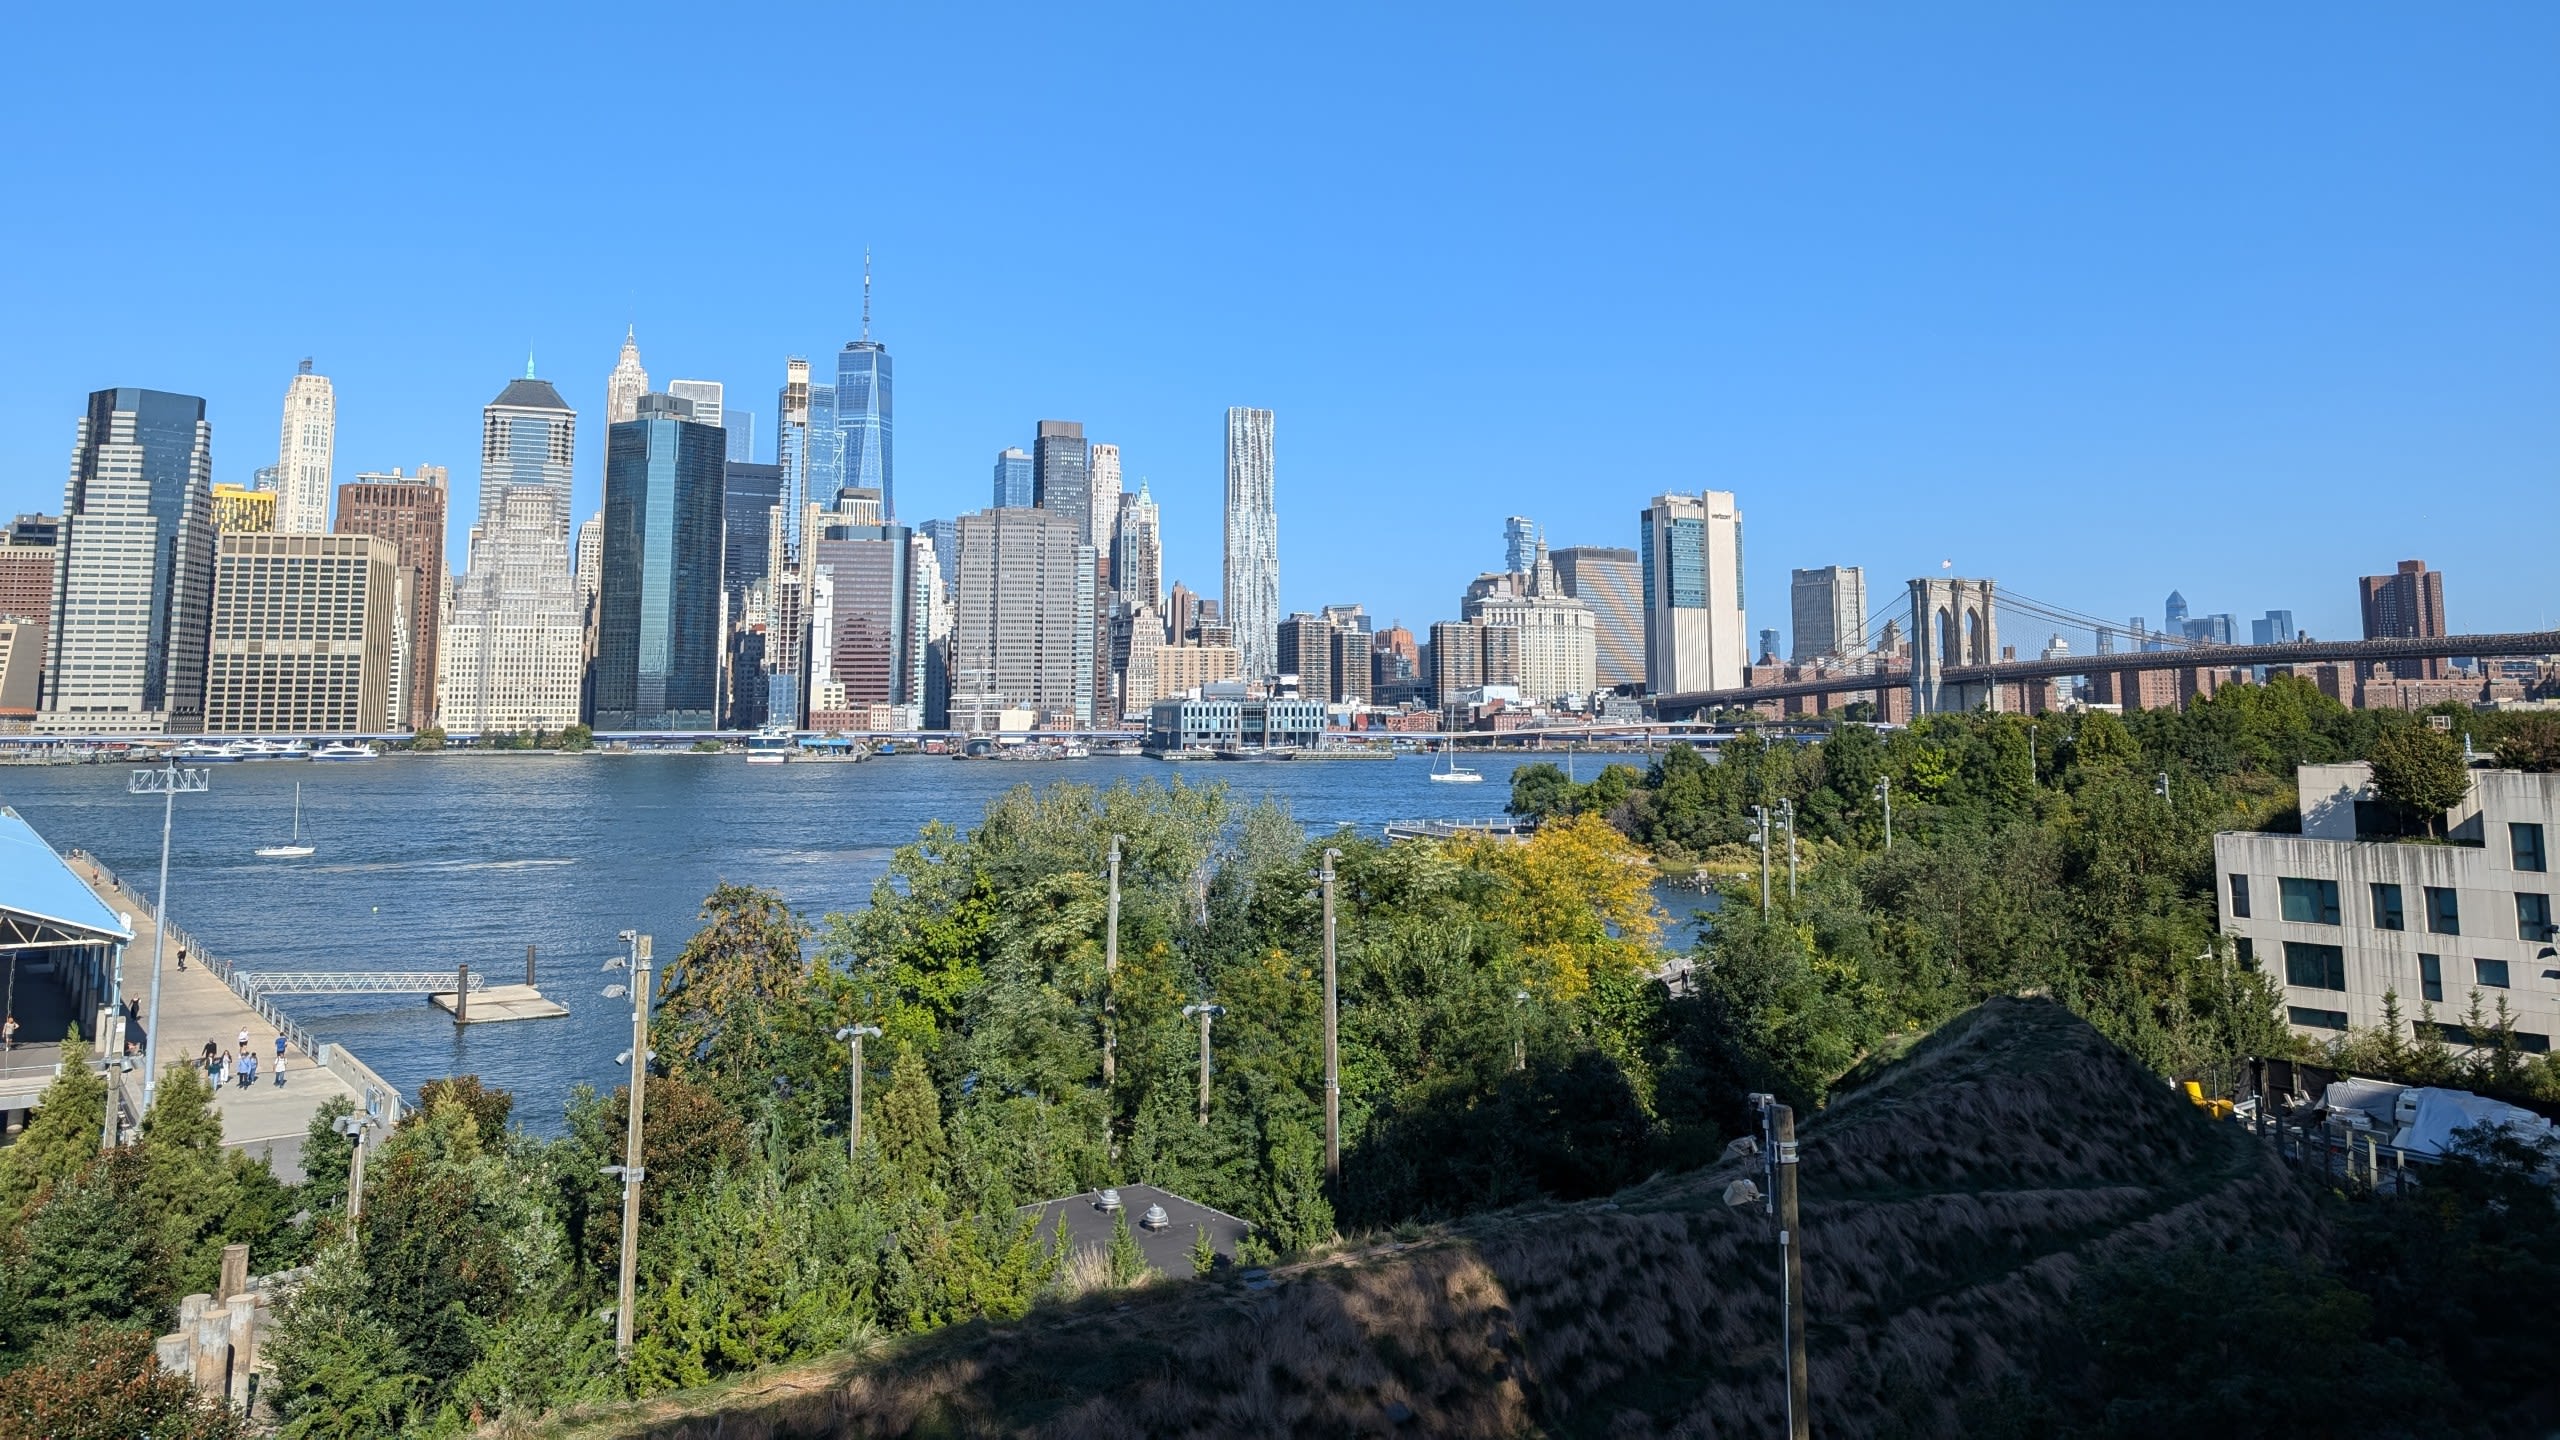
[853, 1134]
[1778, 1162]
[1519, 1034]
[1884, 792]
[1787, 813]
[1332, 1050]
[1760, 817]
[1207, 1012]
[355, 1128]
[631, 1172]
[1111, 971]
[168, 782]
[2160, 787]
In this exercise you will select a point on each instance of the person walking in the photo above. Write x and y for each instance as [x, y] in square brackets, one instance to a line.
[9, 1033]
[244, 1038]
[248, 1068]
[279, 1059]
[211, 1058]
[222, 1072]
[182, 957]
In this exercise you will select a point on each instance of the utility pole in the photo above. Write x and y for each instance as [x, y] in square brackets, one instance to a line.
[1778, 1147]
[1332, 1050]
[354, 1127]
[2160, 787]
[169, 782]
[1111, 971]
[853, 1130]
[631, 1170]
[1787, 809]
[1760, 814]
[1519, 1031]
[1207, 1012]
[1884, 792]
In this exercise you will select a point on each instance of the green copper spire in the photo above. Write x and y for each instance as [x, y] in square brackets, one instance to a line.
[528, 362]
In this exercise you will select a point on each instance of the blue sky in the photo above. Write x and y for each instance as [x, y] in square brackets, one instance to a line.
[2241, 300]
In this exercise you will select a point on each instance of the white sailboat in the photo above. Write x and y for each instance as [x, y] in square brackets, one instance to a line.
[297, 849]
[1454, 773]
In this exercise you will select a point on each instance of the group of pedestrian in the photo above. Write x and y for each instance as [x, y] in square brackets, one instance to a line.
[240, 1067]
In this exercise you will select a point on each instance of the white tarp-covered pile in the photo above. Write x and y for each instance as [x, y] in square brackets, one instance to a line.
[2436, 1114]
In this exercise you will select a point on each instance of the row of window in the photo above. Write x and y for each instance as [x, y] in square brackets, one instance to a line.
[2315, 902]
[2311, 966]
[2314, 1018]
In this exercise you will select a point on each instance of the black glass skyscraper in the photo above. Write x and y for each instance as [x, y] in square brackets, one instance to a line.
[746, 512]
[658, 638]
[1062, 475]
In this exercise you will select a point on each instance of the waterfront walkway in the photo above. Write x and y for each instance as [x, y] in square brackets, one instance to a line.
[197, 1005]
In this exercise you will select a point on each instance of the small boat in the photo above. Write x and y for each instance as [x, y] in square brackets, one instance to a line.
[272, 749]
[207, 752]
[771, 745]
[1454, 773]
[297, 849]
[346, 750]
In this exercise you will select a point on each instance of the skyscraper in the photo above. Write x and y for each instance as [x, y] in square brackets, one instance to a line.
[746, 513]
[133, 575]
[1829, 610]
[408, 512]
[1557, 642]
[1252, 590]
[741, 428]
[862, 631]
[2173, 614]
[514, 648]
[1013, 489]
[1306, 651]
[865, 414]
[1022, 630]
[305, 635]
[791, 454]
[623, 389]
[2407, 604]
[238, 510]
[705, 396]
[1137, 551]
[658, 640]
[1519, 544]
[1061, 474]
[944, 537]
[304, 454]
[2275, 628]
[1102, 479]
[26, 567]
[1694, 636]
[1610, 580]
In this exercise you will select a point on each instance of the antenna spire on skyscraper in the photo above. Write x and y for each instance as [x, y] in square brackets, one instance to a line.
[866, 292]
[528, 360]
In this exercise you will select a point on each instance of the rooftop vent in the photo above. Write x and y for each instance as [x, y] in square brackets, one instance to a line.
[1155, 1218]
[1110, 1200]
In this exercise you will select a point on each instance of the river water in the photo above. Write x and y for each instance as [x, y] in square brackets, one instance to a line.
[427, 862]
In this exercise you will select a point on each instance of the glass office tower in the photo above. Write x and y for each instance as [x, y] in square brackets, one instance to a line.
[658, 638]
[865, 422]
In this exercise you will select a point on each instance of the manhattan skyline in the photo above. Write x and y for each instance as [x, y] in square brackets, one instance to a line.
[1914, 291]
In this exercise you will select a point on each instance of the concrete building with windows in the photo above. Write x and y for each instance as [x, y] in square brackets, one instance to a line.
[1552, 634]
[133, 574]
[1829, 610]
[707, 398]
[306, 452]
[514, 647]
[1225, 718]
[1610, 580]
[2348, 911]
[2407, 604]
[1022, 630]
[305, 635]
[1694, 635]
[409, 512]
[26, 566]
[239, 510]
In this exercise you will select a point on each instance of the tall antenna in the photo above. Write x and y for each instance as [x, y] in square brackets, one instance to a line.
[528, 360]
[866, 292]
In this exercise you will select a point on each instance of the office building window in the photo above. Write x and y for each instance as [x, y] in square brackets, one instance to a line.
[2431, 978]
[2444, 911]
[2311, 1019]
[2492, 973]
[2526, 843]
[2533, 916]
[2309, 902]
[2315, 967]
[2386, 908]
[2243, 947]
[2240, 896]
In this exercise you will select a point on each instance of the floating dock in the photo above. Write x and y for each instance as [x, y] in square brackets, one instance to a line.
[493, 1003]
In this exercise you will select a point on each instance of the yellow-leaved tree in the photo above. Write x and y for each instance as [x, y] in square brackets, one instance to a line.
[1580, 897]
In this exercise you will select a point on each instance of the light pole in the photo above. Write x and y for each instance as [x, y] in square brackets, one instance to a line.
[853, 1133]
[1787, 812]
[1519, 1031]
[1760, 816]
[356, 1128]
[631, 1171]
[1884, 792]
[1332, 1050]
[1778, 1161]
[1111, 971]
[2160, 787]
[169, 782]
[1207, 1012]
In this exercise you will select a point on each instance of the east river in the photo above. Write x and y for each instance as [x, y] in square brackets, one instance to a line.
[427, 862]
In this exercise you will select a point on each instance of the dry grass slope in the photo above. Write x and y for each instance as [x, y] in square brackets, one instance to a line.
[1949, 1203]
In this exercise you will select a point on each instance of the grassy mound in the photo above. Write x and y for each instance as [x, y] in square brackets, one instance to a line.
[1949, 1202]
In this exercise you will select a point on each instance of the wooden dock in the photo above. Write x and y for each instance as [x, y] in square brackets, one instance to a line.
[494, 1003]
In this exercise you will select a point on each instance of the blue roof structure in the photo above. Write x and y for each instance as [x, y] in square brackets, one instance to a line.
[41, 902]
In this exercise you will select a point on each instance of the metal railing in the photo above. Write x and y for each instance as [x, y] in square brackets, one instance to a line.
[377, 982]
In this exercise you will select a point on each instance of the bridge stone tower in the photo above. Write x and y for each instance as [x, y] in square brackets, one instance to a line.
[1954, 623]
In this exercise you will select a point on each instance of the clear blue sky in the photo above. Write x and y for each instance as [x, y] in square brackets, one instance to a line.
[2245, 300]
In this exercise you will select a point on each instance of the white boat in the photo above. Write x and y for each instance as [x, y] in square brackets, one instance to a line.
[272, 749]
[346, 750]
[771, 746]
[207, 751]
[1454, 773]
[297, 849]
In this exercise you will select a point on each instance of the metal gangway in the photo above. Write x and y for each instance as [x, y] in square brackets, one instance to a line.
[355, 982]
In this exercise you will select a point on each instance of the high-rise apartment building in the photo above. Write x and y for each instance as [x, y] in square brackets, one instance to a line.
[1022, 631]
[1694, 635]
[1061, 474]
[1137, 551]
[705, 397]
[866, 415]
[133, 575]
[2407, 604]
[863, 641]
[1519, 544]
[628, 382]
[1013, 485]
[408, 513]
[1829, 611]
[239, 510]
[1252, 592]
[1609, 579]
[306, 632]
[746, 515]
[26, 566]
[929, 633]
[305, 454]
[1306, 651]
[1102, 481]
[658, 637]
[791, 455]
[513, 652]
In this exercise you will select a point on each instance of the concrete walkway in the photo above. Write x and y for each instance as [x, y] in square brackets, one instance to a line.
[196, 1006]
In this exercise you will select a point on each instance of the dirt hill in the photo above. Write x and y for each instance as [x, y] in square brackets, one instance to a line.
[1949, 1202]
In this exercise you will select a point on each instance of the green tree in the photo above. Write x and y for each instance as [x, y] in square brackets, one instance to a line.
[62, 1139]
[1126, 1262]
[2532, 744]
[428, 738]
[2420, 770]
[733, 1013]
[907, 1128]
[95, 1382]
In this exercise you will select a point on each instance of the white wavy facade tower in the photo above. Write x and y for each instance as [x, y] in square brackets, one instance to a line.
[305, 453]
[1252, 580]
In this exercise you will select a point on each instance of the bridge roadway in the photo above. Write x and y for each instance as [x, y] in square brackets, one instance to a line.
[2213, 657]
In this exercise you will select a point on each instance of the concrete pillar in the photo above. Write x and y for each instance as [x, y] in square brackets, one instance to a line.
[235, 1272]
[243, 1322]
[213, 1349]
[172, 1351]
